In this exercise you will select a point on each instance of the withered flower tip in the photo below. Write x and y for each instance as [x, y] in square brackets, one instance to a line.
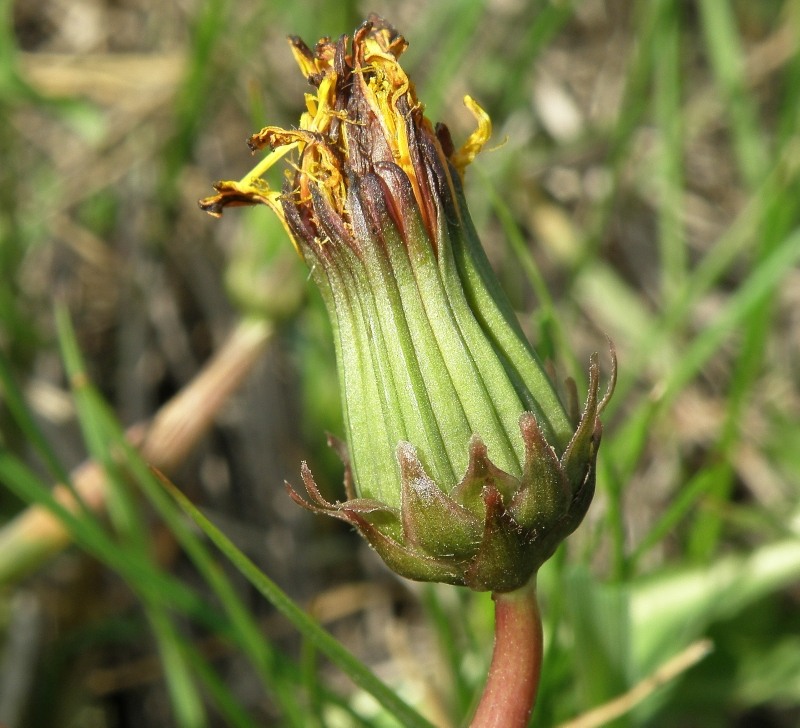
[462, 463]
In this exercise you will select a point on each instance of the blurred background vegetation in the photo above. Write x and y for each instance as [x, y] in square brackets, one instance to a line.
[642, 185]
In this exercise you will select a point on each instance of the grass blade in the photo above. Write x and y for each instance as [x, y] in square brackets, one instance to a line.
[320, 638]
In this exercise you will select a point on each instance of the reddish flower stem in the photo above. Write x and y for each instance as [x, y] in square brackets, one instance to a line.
[510, 691]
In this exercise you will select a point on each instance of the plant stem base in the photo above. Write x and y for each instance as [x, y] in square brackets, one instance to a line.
[510, 692]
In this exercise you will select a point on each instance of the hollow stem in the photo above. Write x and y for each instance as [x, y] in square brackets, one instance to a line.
[510, 691]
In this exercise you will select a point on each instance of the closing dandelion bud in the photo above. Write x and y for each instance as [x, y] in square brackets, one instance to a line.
[462, 464]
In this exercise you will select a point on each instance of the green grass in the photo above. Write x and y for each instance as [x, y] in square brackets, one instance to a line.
[668, 221]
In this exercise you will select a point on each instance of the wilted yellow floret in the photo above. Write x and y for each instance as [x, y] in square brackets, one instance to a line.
[476, 140]
[390, 97]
